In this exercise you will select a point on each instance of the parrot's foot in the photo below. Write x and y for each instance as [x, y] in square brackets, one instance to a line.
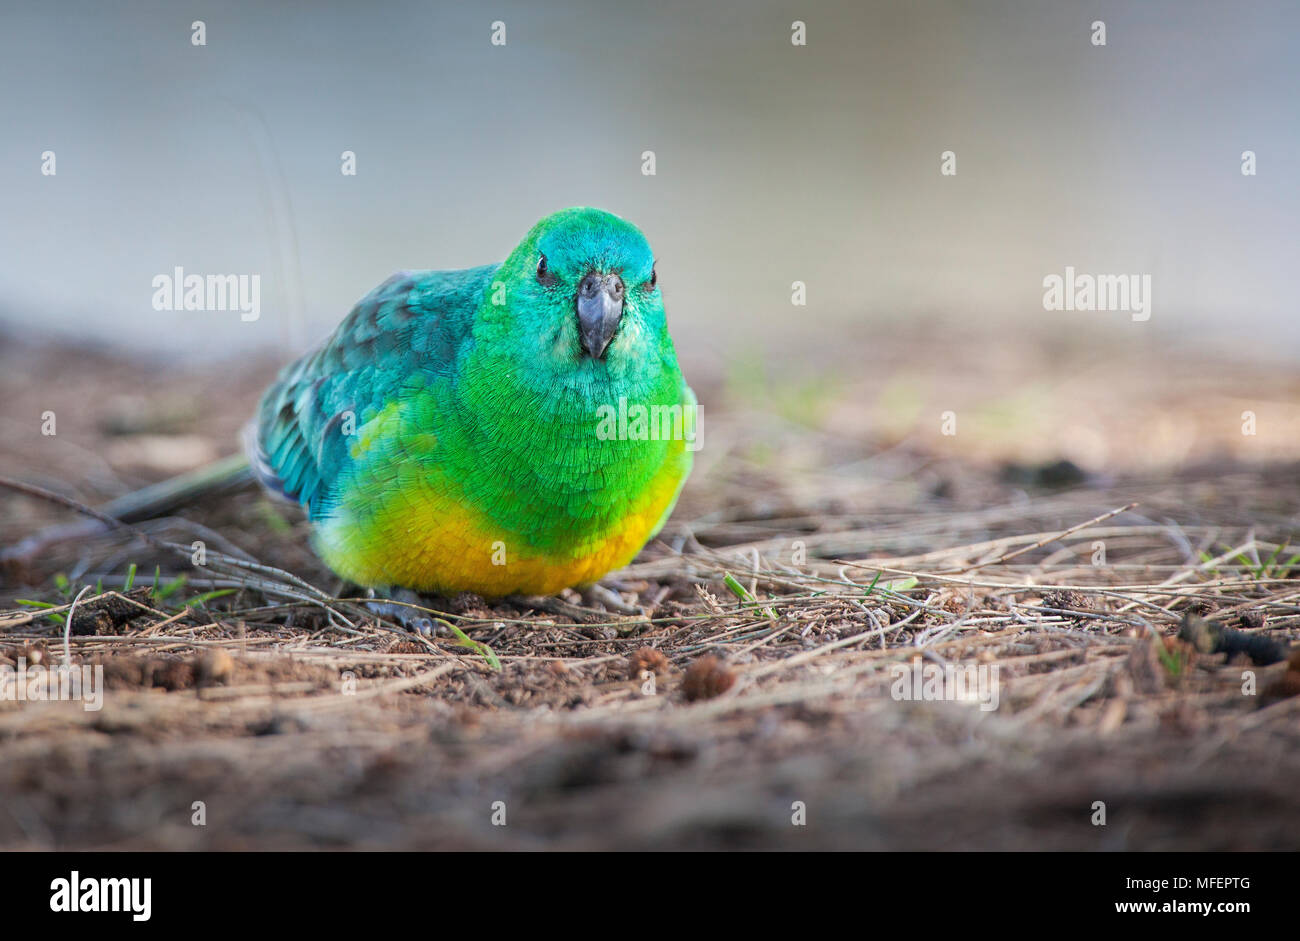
[592, 603]
[611, 600]
[399, 609]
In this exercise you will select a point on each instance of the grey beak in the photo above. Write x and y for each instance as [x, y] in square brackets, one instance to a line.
[600, 308]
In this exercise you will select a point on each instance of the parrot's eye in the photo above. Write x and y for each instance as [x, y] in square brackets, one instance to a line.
[654, 279]
[543, 272]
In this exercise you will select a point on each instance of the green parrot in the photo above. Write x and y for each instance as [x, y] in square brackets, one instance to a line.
[516, 428]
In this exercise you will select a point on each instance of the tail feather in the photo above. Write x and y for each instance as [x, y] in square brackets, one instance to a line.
[259, 463]
[165, 496]
[151, 502]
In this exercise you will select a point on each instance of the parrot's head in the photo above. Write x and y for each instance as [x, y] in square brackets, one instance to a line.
[580, 294]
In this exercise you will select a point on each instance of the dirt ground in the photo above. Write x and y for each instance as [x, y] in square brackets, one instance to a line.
[858, 536]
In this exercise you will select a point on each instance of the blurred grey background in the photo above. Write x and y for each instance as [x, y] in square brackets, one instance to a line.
[775, 163]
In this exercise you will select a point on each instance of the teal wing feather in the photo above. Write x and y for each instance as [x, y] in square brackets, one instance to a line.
[414, 324]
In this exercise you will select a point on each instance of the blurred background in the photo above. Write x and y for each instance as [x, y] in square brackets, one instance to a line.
[775, 163]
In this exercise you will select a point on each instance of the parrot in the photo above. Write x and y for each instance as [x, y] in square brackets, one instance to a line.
[485, 430]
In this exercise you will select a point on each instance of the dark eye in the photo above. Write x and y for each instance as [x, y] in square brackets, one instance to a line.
[654, 278]
[543, 273]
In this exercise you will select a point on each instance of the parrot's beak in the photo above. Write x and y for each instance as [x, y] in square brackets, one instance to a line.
[600, 308]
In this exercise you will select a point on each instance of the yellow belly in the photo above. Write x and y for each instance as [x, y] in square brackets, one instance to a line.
[416, 536]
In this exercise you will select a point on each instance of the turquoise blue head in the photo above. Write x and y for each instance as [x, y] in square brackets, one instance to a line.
[581, 295]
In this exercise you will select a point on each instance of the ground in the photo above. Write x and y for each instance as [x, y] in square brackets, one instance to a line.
[857, 535]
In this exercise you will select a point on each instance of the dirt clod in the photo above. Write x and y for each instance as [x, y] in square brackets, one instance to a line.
[647, 658]
[706, 678]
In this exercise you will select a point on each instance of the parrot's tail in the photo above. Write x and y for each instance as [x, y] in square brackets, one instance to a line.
[167, 495]
[148, 503]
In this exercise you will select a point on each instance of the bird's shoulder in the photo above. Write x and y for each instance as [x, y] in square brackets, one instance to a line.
[427, 314]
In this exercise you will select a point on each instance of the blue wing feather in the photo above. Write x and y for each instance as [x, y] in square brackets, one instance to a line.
[413, 322]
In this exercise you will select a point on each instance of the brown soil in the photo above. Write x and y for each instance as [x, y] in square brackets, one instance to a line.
[326, 727]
